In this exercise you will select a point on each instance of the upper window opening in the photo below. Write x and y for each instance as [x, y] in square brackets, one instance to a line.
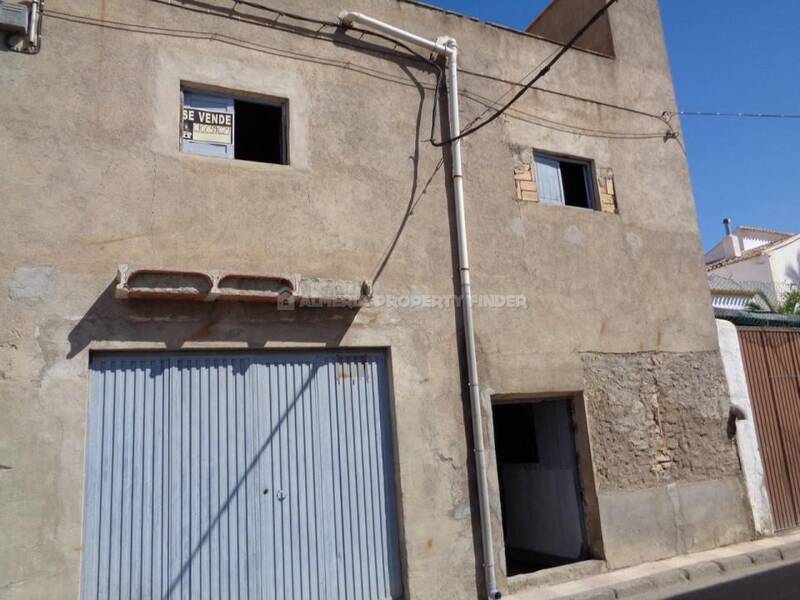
[234, 128]
[565, 181]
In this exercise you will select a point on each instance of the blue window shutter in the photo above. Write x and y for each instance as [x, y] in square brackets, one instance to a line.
[207, 102]
[548, 180]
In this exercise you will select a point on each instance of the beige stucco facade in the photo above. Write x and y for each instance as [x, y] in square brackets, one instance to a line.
[616, 308]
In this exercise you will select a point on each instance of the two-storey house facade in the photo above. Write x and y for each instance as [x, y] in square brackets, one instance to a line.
[232, 361]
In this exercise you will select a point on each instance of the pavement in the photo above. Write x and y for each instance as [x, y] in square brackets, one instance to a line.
[775, 581]
[702, 574]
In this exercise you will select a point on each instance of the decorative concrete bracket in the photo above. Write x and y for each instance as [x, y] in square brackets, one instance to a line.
[154, 283]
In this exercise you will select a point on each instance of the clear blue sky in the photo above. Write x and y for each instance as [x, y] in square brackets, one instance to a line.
[726, 56]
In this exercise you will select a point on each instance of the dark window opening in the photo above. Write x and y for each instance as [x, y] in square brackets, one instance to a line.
[223, 126]
[565, 181]
[576, 184]
[259, 132]
[540, 491]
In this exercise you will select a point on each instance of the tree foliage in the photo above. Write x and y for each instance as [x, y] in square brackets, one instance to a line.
[789, 303]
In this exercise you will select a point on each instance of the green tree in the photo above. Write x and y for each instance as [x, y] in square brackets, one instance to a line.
[789, 303]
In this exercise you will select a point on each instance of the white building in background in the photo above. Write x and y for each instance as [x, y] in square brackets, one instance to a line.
[750, 259]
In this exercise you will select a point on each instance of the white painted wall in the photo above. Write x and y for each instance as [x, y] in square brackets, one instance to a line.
[785, 263]
[756, 269]
[742, 239]
[746, 437]
[750, 241]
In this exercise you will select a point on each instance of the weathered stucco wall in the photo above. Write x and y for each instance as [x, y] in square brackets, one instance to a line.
[92, 177]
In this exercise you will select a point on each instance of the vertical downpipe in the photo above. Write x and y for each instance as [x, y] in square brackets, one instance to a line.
[449, 48]
[33, 29]
[469, 331]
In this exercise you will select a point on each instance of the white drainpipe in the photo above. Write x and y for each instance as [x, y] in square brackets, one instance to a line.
[448, 48]
[33, 29]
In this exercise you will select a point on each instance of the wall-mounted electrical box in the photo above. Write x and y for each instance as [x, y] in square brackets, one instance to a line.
[13, 17]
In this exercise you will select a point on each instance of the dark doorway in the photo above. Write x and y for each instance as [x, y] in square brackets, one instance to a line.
[540, 491]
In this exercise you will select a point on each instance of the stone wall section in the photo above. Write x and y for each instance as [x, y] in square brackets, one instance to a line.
[657, 418]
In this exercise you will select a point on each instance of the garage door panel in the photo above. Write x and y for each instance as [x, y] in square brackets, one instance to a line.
[240, 476]
[288, 474]
[364, 532]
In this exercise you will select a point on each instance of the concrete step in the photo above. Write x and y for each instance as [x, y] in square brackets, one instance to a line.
[556, 575]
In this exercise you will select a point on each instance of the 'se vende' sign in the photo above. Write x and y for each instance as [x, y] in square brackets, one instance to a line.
[207, 126]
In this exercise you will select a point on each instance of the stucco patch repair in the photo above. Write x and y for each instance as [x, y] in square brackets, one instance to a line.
[574, 236]
[7, 351]
[31, 283]
[657, 418]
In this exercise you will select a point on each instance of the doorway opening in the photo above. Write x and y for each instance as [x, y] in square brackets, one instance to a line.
[541, 494]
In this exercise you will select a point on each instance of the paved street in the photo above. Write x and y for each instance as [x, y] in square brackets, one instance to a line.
[770, 582]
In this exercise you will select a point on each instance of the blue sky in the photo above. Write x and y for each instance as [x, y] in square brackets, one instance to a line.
[726, 56]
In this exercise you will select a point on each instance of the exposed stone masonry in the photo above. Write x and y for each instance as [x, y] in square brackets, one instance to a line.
[657, 418]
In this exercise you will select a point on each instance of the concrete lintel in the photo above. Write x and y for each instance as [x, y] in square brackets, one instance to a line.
[158, 283]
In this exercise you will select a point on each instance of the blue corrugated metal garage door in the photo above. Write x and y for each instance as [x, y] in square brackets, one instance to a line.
[240, 476]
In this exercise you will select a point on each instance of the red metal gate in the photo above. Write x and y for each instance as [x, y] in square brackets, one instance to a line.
[772, 363]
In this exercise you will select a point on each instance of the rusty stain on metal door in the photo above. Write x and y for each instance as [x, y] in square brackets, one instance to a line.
[772, 364]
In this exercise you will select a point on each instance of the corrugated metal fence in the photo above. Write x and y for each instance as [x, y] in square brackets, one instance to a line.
[240, 476]
[772, 363]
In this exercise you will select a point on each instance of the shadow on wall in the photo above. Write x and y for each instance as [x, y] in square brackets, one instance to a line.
[174, 324]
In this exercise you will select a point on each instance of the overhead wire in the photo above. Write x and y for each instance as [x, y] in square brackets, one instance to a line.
[412, 55]
[327, 23]
[544, 65]
[434, 64]
[746, 115]
[488, 108]
[285, 13]
[546, 69]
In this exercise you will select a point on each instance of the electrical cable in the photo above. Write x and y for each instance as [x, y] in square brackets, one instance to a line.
[552, 58]
[257, 47]
[325, 23]
[488, 108]
[434, 64]
[251, 19]
[413, 54]
[284, 13]
[664, 117]
[440, 71]
[746, 115]
[564, 49]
